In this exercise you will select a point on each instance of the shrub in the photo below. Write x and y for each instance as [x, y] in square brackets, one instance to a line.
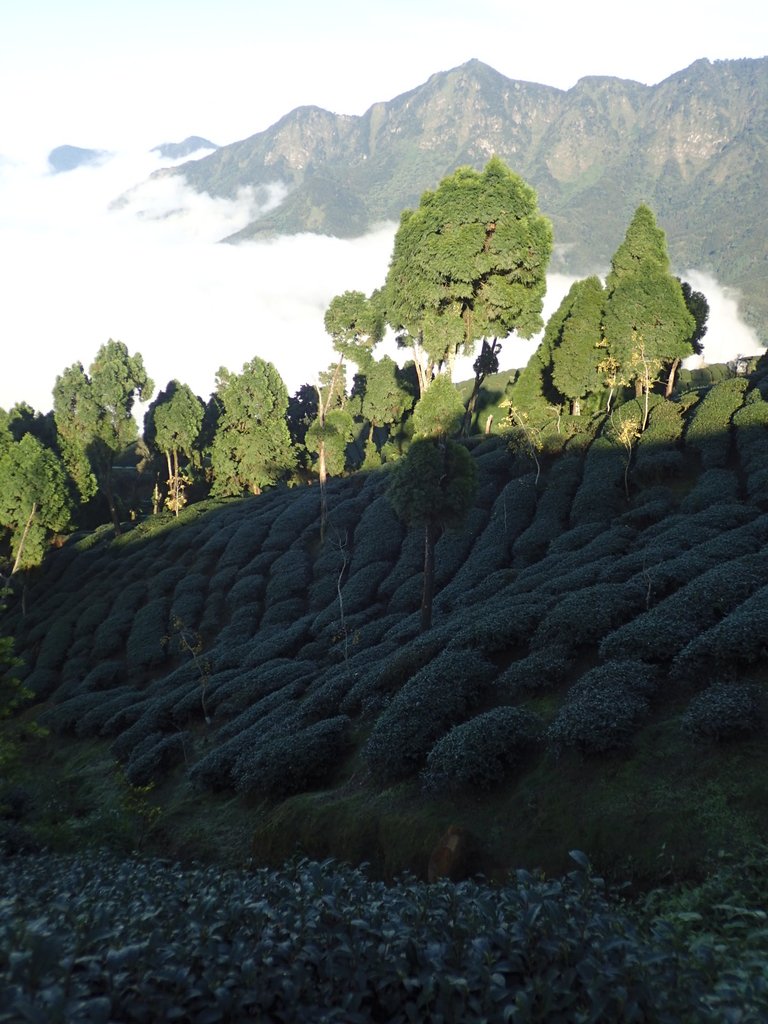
[152, 763]
[147, 644]
[542, 670]
[659, 633]
[289, 577]
[708, 430]
[738, 641]
[714, 486]
[483, 752]
[552, 509]
[294, 762]
[723, 711]
[378, 535]
[585, 616]
[603, 708]
[440, 695]
[600, 495]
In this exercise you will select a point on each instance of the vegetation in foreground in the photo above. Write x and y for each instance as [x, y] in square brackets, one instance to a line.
[91, 938]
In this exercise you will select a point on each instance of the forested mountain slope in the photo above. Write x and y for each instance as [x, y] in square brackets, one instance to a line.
[594, 678]
[693, 147]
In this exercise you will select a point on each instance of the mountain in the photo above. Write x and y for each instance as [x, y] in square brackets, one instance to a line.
[694, 148]
[177, 150]
[68, 158]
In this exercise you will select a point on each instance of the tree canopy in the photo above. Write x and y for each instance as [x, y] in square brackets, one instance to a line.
[470, 262]
[252, 447]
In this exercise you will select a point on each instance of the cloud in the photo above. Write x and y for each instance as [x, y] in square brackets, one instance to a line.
[149, 271]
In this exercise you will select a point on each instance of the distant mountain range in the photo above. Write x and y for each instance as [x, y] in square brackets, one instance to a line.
[694, 147]
[69, 158]
[177, 150]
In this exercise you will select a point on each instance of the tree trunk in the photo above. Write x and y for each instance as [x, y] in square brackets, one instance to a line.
[108, 494]
[22, 542]
[322, 474]
[429, 577]
[671, 379]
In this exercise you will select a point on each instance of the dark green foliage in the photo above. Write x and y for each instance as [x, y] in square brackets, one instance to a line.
[542, 670]
[151, 761]
[147, 644]
[361, 589]
[483, 752]
[600, 495]
[57, 641]
[553, 509]
[751, 423]
[723, 711]
[290, 576]
[291, 763]
[660, 633]
[738, 641]
[588, 614]
[317, 941]
[603, 709]
[378, 535]
[708, 430]
[440, 695]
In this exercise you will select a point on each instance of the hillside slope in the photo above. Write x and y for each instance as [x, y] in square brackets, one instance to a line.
[595, 677]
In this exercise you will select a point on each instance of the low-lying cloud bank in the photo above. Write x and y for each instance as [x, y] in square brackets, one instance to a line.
[146, 270]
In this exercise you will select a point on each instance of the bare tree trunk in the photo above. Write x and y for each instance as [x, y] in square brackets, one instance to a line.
[322, 474]
[671, 379]
[428, 591]
[22, 542]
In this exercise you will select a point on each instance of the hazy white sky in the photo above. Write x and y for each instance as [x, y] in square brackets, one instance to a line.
[125, 76]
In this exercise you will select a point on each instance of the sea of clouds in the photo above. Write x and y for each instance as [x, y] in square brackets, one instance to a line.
[80, 268]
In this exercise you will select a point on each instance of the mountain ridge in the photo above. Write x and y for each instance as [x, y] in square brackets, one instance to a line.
[694, 147]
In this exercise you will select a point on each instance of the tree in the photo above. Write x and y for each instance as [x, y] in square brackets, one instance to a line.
[698, 307]
[34, 499]
[576, 357]
[647, 323]
[433, 487]
[172, 425]
[440, 410]
[469, 263]
[251, 448]
[94, 417]
[381, 398]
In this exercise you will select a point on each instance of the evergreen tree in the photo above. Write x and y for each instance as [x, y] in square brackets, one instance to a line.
[469, 263]
[576, 356]
[172, 426]
[647, 323]
[251, 448]
[94, 417]
[34, 499]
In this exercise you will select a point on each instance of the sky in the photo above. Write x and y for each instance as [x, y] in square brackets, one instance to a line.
[124, 77]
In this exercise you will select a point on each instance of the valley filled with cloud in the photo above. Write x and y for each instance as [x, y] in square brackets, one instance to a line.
[107, 251]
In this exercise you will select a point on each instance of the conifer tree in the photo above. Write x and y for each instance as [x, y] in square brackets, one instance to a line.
[469, 263]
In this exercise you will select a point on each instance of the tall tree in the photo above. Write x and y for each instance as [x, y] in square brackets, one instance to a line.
[172, 426]
[698, 307]
[34, 499]
[380, 397]
[576, 356]
[94, 417]
[647, 323]
[251, 449]
[469, 263]
[433, 488]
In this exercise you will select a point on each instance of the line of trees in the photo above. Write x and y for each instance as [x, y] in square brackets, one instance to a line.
[468, 267]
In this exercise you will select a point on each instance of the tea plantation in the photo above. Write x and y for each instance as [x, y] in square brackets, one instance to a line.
[225, 688]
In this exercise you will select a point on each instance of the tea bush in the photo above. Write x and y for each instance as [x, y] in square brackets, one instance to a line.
[440, 695]
[603, 709]
[585, 616]
[541, 670]
[722, 711]
[738, 641]
[658, 634]
[290, 763]
[321, 942]
[483, 752]
[708, 430]
[600, 495]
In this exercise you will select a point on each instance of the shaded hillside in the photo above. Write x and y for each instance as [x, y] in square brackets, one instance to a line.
[595, 677]
[692, 147]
